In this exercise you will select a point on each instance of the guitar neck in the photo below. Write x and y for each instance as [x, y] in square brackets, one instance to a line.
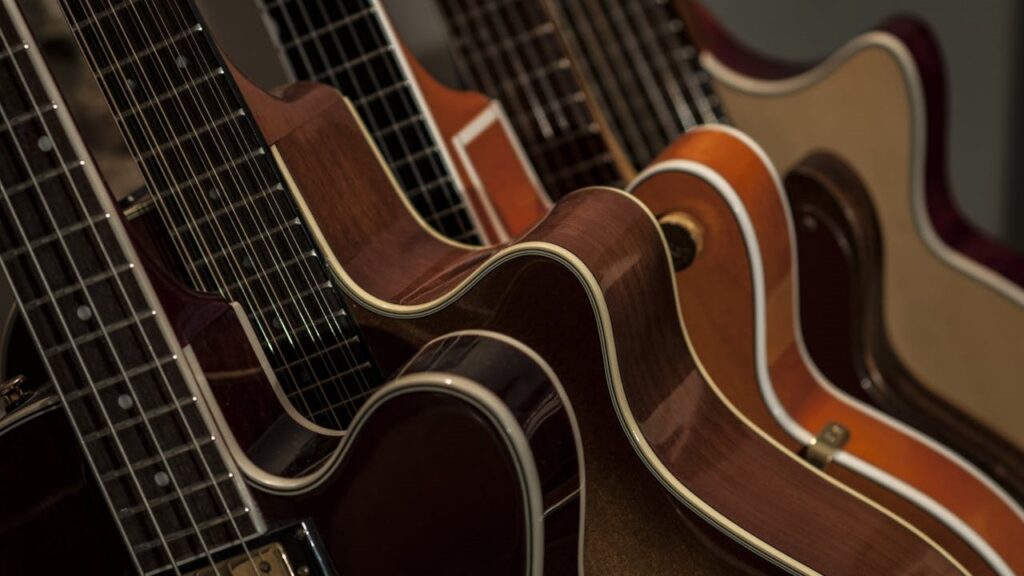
[221, 198]
[643, 68]
[352, 46]
[512, 51]
[104, 338]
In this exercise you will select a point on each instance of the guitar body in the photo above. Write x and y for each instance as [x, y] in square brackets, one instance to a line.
[380, 505]
[589, 289]
[841, 296]
[739, 296]
[866, 105]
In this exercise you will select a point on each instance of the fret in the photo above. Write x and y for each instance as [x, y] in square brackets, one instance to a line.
[100, 15]
[266, 273]
[321, 321]
[232, 207]
[241, 250]
[98, 334]
[334, 347]
[352, 63]
[215, 172]
[293, 298]
[356, 398]
[381, 94]
[185, 491]
[510, 44]
[345, 21]
[59, 293]
[139, 465]
[41, 178]
[104, 384]
[139, 107]
[150, 50]
[60, 234]
[205, 129]
[15, 122]
[10, 53]
[140, 419]
[185, 532]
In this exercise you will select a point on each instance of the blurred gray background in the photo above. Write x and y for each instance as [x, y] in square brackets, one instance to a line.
[982, 42]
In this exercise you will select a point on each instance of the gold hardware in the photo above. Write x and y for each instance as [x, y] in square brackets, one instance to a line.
[270, 560]
[825, 445]
[684, 237]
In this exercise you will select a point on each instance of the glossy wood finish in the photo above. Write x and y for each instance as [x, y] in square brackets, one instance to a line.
[498, 177]
[596, 248]
[717, 295]
[841, 316]
[866, 106]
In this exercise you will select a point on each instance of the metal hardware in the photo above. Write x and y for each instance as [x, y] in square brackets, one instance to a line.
[823, 448]
[684, 238]
[11, 394]
[269, 560]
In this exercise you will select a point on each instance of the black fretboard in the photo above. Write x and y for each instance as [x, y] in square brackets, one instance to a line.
[511, 50]
[93, 315]
[643, 68]
[221, 197]
[348, 44]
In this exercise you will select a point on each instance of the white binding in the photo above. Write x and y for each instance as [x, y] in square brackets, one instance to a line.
[891, 44]
[493, 114]
[775, 406]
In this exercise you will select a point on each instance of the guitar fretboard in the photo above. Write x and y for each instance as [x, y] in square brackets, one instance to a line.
[643, 68]
[511, 51]
[348, 44]
[221, 197]
[99, 328]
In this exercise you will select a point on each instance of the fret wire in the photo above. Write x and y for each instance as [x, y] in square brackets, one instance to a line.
[683, 52]
[67, 330]
[202, 457]
[233, 176]
[350, 61]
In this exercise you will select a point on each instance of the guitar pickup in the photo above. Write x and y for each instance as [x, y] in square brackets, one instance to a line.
[268, 560]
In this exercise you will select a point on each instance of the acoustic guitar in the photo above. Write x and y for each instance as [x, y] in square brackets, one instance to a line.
[720, 162]
[168, 446]
[660, 492]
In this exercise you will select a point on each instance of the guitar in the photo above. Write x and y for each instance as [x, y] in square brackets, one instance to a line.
[168, 445]
[715, 320]
[441, 145]
[970, 361]
[661, 492]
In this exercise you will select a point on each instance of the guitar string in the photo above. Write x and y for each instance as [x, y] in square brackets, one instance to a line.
[324, 308]
[683, 52]
[158, 154]
[681, 117]
[421, 182]
[103, 329]
[306, 317]
[202, 457]
[606, 66]
[215, 222]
